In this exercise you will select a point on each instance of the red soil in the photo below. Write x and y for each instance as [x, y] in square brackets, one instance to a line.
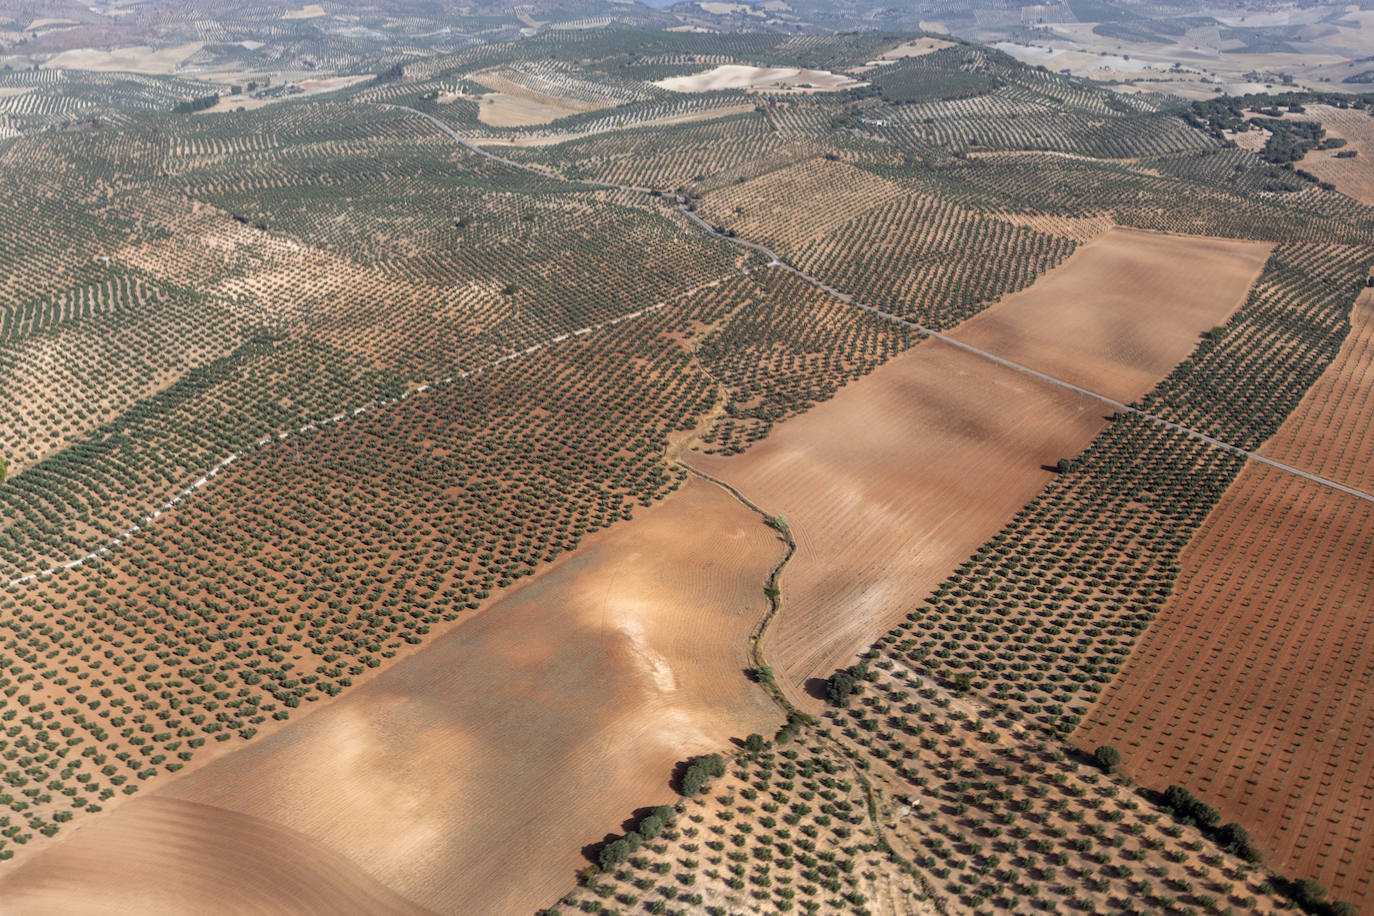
[1252, 688]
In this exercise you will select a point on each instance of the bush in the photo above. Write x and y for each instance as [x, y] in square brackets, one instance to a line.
[841, 687]
[1234, 839]
[1188, 808]
[1108, 758]
[700, 772]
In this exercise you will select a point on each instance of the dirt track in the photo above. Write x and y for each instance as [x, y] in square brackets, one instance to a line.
[559, 709]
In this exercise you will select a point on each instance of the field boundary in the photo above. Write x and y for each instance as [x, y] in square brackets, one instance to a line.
[417, 388]
[776, 261]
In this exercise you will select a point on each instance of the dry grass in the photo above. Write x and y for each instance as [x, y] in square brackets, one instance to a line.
[513, 105]
[1353, 176]
[139, 59]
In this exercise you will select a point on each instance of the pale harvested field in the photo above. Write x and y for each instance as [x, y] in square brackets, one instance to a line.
[164, 855]
[691, 117]
[521, 735]
[512, 105]
[1350, 176]
[309, 11]
[308, 87]
[141, 59]
[917, 48]
[1123, 310]
[890, 485]
[1252, 688]
[1331, 433]
[742, 76]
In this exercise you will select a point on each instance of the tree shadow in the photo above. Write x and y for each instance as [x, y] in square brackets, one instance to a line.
[815, 687]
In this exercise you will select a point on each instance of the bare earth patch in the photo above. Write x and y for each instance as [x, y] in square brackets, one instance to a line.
[1251, 688]
[770, 79]
[141, 59]
[889, 485]
[690, 117]
[1351, 175]
[917, 48]
[1122, 310]
[164, 855]
[522, 734]
[898, 478]
[513, 105]
[1329, 433]
[309, 11]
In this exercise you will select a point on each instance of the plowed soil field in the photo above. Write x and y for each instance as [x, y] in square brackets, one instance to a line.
[890, 485]
[1252, 688]
[1123, 310]
[523, 734]
[164, 855]
[897, 479]
[1332, 431]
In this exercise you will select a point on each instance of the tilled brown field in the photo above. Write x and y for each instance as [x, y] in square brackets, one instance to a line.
[891, 484]
[165, 855]
[1251, 689]
[1123, 310]
[563, 705]
[1329, 434]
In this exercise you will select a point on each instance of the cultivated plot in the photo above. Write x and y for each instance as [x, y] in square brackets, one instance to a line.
[565, 704]
[1251, 689]
[1329, 434]
[1123, 310]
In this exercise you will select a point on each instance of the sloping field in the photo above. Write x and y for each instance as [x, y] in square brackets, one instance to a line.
[889, 485]
[513, 105]
[521, 735]
[1252, 687]
[1351, 175]
[1122, 310]
[900, 477]
[164, 855]
[743, 76]
[1330, 432]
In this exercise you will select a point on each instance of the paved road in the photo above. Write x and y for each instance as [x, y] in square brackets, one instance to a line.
[776, 261]
[1034, 373]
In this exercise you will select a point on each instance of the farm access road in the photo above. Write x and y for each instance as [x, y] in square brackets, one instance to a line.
[776, 261]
